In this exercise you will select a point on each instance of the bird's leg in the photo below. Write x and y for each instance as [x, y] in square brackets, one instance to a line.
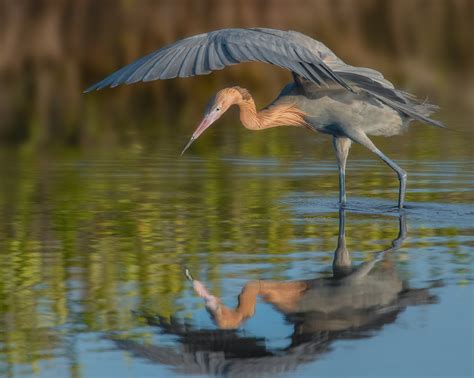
[342, 146]
[362, 139]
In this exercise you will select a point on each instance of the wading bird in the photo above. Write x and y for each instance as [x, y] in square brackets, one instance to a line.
[326, 94]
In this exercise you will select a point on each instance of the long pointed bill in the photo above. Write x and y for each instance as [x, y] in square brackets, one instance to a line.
[205, 123]
[191, 140]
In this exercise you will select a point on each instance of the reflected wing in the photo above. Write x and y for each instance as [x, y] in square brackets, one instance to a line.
[201, 54]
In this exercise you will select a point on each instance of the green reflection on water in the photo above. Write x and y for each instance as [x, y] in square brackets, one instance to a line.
[87, 239]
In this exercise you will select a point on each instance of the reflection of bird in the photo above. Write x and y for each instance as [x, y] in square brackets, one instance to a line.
[326, 95]
[356, 302]
[351, 298]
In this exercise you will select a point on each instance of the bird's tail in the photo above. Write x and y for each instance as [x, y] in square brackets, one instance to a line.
[413, 107]
[426, 109]
[402, 101]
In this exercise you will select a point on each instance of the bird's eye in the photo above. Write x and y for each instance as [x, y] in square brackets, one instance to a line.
[218, 109]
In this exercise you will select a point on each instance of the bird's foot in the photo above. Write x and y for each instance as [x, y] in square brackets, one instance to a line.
[401, 210]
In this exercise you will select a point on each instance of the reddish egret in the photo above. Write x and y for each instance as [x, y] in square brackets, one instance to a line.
[326, 94]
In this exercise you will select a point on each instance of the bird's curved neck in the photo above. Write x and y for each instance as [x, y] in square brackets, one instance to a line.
[272, 116]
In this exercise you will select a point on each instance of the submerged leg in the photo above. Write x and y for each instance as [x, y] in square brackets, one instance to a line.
[342, 146]
[363, 139]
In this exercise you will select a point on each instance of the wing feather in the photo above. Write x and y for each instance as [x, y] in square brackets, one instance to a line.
[141, 71]
[203, 53]
[200, 66]
[188, 61]
[160, 70]
[225, 55]
[215, 62]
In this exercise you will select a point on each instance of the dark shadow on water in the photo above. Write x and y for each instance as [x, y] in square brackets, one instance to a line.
[354, 302]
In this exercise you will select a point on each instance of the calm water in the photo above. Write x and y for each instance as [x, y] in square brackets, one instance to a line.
[94, 248]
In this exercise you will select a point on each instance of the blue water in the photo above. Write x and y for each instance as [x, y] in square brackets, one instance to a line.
[94, 251]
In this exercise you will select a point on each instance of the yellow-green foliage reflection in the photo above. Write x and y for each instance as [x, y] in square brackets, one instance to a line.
[86, 241]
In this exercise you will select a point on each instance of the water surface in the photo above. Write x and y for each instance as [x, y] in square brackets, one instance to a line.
[94, 246]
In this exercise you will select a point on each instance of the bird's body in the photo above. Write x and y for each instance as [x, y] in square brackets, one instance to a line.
[326, 94]
[336, 111]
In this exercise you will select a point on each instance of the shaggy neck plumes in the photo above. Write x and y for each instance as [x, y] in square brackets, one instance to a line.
[272, 116]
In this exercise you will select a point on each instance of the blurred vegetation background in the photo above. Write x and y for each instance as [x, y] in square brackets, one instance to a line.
[87, 236]
[51, 50]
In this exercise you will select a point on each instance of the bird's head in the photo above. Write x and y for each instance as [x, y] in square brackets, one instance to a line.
[216, 107]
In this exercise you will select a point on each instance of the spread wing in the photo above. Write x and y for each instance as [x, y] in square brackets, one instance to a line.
[201, 54]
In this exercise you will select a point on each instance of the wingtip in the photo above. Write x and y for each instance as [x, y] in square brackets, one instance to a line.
[90, 89]
[97, 86]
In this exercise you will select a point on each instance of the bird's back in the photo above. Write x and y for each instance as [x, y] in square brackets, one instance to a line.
[334, 110]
